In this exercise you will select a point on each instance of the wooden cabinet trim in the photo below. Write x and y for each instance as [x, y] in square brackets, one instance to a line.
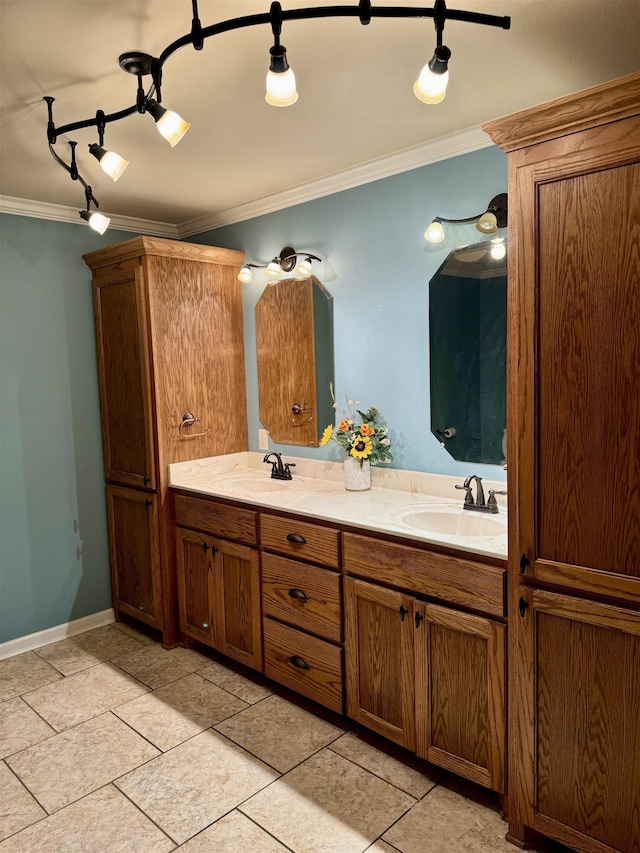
[216, 518]
[138, 246]
[456, 580]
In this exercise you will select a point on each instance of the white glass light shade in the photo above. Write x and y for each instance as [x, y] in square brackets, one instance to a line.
[273, 270]
[98, 222]
[281, 88]
[498, 251]
[434, 232]
[172, 127]
[487, 224]
[431, 88]
[113, 164]
[304, 268]
[245, 275]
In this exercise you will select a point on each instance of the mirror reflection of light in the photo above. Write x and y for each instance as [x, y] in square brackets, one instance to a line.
[498, 251]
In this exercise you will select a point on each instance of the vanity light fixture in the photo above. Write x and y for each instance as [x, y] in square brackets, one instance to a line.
[488, 222]
[430, 87]
[286, 261]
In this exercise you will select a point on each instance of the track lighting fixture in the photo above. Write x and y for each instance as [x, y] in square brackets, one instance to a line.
[286, 261]
[430, 87]
[96, 220]
[488, 222]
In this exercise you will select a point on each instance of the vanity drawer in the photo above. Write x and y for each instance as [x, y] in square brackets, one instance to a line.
[302, 595]
[227, 522]
[298, 539]
[303, 663]
[456, 580]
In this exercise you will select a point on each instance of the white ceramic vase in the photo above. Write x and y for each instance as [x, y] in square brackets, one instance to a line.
[357, 475]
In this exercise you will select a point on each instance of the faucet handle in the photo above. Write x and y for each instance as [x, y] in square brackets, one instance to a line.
[492, 502]
[468, 498]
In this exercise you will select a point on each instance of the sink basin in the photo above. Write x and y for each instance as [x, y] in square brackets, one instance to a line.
[254, 483]
[454, 522]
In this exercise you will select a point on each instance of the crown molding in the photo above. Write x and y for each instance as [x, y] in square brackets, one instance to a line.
[452, 145]
[64, 213]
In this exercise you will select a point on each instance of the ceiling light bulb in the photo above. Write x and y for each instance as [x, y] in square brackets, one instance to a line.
[169, 124]
[281, 81]
[498, 251]
[304, 268]
[487, 223]
[431, 85]
[434, 232]
[96, 220]
[273, 270]
[245, 275]
[111, 163]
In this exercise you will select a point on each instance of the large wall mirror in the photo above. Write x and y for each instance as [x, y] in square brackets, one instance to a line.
[468, 347]
[294, 338]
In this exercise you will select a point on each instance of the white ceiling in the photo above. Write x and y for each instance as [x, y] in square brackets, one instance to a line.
[356, 102]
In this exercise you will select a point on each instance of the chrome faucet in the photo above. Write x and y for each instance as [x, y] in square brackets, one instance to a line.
[279, 471]
[479, 505]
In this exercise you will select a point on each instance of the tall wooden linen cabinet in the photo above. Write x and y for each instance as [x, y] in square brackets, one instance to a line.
[170, 344]
[574, 468]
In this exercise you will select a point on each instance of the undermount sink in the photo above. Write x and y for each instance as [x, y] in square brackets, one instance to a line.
[254, 483]
[453, 522]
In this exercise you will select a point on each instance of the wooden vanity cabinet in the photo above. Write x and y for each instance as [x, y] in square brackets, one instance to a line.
[169, 342]
[302, 608]
[219, 579]
[574, 468]
[427, 676]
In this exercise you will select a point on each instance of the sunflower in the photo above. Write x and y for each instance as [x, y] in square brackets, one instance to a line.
[326, 435]
[361, 447]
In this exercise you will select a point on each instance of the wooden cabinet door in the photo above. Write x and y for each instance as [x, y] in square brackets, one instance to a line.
[460, 693]
[379, 660]
[581, 762]
[194, 553]
[125, 383]
[133, 545]
[236, 603]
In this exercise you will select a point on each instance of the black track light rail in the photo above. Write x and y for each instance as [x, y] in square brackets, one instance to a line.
[275, 17]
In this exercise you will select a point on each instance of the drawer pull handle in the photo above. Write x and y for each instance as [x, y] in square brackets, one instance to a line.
[296, 539]
[298, 662]
[299, 594]
[403, 612]
[523, 604]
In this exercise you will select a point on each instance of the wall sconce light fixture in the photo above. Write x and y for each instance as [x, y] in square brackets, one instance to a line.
[430, 87]
[286, 261]
[488, 222]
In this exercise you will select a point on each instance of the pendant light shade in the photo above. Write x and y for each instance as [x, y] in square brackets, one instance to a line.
[488, 223]
[431, 85]
[110, 162]
[281, 81]
[169, 124]
[434, 232]
[273, 270]
[304, 268]
[96, 220]
[245, 275]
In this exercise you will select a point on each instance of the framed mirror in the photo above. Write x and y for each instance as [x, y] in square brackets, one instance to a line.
[294, 338]
[468, 350]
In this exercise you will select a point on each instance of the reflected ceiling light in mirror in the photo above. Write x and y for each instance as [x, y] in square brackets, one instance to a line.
[487, 222]
[286, 261]
[498, 249]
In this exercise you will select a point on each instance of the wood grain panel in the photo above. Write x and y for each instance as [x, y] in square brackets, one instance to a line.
[125, 383]
[198, 358]
[213, 517]
[588, 730]
[379, 660]
[320, 680]
[318, 612]
[589, 358]
[139, 246]
[236, 603]
[605, 103]
[194, 575]
[463, 582]
[285, 343]
[133, 548]
[321, 544]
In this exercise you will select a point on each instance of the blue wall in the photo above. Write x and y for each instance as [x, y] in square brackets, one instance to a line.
[54, 560]
[373, 238]
[54, 564]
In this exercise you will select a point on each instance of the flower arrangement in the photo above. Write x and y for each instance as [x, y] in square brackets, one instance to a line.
[362, 434]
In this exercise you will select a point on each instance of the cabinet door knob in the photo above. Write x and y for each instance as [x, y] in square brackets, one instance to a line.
[522, 606]
[297, 661]
[524, 563]
[419, 618]
[403, 612]
[299, 594]
[296, 538]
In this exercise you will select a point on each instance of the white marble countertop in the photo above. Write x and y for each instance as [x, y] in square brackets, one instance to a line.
[399, 502]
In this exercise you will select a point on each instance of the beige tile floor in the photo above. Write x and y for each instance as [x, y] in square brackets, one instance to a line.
[109, 742]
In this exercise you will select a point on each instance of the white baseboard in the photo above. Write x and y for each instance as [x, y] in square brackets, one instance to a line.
[58, 632]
